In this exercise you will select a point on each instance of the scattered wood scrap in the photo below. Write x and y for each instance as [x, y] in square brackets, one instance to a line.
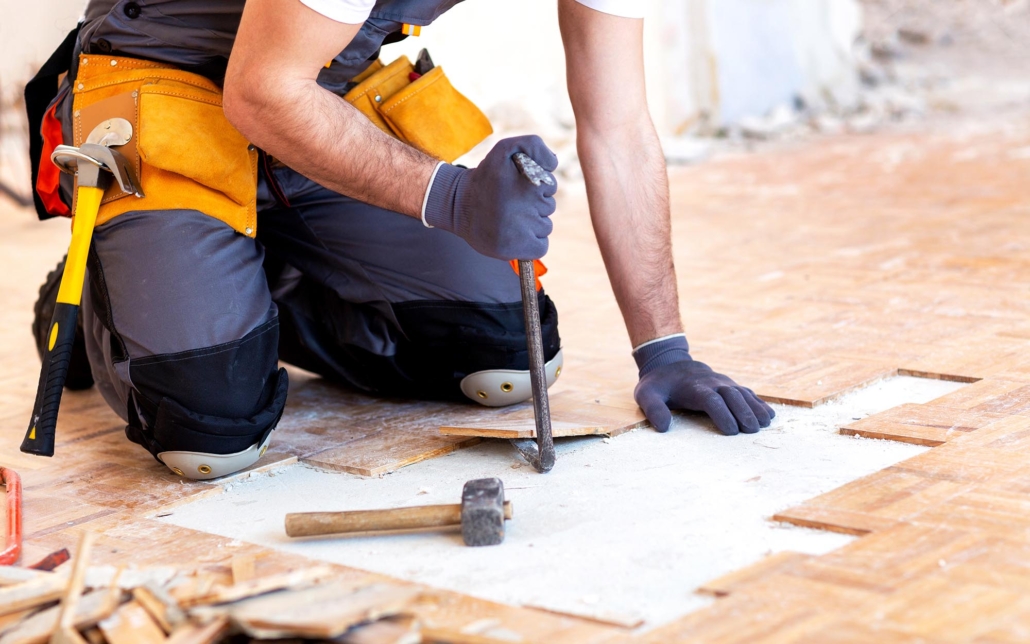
[165, 610]
[141, 606]
[31, 594]
[131, 624]
[324, 611]
[65, 632]
[403, 629]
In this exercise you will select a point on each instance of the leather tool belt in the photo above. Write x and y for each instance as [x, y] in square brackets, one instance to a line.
[188, 156]
[424, 111]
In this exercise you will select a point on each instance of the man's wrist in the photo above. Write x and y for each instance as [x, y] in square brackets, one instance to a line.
[429, 190]
[660, 352]
[439, 209]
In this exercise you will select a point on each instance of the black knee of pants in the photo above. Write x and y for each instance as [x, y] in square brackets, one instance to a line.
[446, 341]
[439, 342]
[216, 400]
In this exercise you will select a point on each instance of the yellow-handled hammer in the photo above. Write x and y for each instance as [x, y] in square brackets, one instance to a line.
[93, 164]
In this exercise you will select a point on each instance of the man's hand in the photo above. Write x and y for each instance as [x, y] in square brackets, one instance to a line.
[493, 207]
[671, 379]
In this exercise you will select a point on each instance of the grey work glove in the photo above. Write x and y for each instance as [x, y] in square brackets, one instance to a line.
[499, 212]
[671, 379]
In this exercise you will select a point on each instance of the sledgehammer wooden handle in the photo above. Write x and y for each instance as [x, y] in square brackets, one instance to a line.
[310, 524]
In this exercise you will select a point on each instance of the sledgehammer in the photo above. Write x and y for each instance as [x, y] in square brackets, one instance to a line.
[93, 163]
[481, 515]
[540, 454]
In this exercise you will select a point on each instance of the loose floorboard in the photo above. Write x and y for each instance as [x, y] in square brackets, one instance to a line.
[569, 417]
[805, 273]
[520, 429]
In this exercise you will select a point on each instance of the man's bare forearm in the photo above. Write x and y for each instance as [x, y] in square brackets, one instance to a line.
[628, 191]
[323, 137]
[272, 97]
[623, 165]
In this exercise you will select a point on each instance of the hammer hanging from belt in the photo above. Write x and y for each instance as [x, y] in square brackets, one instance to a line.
[93, 163]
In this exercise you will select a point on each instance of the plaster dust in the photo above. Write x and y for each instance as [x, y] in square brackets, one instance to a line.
[626, 527]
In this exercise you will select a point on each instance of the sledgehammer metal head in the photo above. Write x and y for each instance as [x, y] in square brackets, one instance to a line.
[482, 512]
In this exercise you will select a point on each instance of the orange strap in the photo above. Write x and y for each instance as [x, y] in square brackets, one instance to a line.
[48, 182]
[538, 269]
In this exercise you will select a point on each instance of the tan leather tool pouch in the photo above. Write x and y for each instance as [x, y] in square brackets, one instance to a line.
[427, 113]
[187, 154]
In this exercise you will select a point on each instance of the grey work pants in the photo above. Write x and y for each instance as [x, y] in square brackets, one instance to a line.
[186, 319]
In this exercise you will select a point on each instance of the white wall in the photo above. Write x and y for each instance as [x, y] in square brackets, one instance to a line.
[717, 59]
[768, 52]
[724, 58]
[29, 31]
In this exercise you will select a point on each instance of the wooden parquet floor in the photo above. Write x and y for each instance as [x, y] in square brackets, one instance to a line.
[805, 273]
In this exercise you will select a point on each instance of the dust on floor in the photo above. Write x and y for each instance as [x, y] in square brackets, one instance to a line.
[625, 528]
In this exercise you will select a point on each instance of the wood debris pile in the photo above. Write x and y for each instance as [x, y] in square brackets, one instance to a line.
[102, 604]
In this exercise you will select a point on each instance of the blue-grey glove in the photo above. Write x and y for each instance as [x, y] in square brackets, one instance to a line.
[671, 379]
[499, 212]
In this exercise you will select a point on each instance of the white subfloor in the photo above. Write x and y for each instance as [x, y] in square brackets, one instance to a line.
[627, 527]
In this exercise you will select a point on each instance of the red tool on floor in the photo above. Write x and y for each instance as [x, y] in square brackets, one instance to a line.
[12, 552]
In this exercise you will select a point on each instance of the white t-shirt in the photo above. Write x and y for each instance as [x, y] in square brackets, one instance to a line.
[624, 8]
[355, 12]
[352, 12]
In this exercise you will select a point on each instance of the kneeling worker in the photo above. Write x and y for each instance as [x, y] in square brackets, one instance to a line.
[301, 211]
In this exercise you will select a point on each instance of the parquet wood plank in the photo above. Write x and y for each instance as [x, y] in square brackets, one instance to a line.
[777, 563]
[886, 561]
[991, 396]
[823, 381]
[570, 416]
[507, 429]
[387, 450]
[877, 501]
[939, 609]
[856, 632]
[929, 425]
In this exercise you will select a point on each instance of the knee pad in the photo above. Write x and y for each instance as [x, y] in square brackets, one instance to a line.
[201, 466]
[202, 446]
[210, 412]
[502, 387]
[472, 351]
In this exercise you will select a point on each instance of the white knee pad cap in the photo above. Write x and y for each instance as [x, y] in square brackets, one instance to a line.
[501, 387]
[200, 466]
